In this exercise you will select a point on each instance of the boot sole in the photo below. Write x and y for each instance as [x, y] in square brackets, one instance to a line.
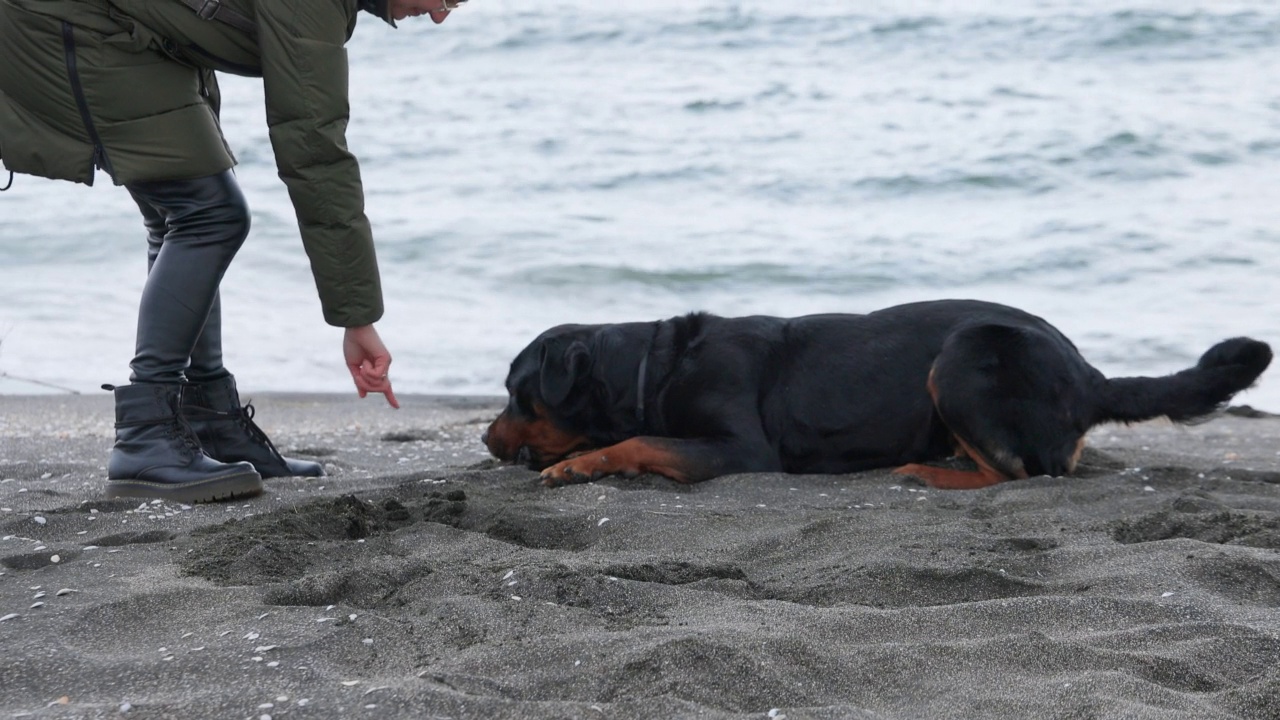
[212, 490]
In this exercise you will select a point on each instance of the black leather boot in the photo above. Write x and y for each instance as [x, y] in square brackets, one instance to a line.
[157, 455]
[228, 433]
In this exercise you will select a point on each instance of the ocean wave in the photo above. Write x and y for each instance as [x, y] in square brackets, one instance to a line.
[867, 278]
[604, 179]
[1031, 32]
[984, 262]
[1213, 32]
[954, 181]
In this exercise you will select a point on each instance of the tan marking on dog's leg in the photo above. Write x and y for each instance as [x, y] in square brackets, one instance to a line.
[1075, 456]
[629, 458]
[948, 479]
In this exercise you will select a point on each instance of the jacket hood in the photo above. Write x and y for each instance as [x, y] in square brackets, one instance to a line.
[381, 8]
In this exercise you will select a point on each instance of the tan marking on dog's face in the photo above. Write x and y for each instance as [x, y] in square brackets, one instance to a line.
[546, 442]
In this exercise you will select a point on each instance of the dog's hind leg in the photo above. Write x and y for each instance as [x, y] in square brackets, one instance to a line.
[986, 475]
[1013, 400]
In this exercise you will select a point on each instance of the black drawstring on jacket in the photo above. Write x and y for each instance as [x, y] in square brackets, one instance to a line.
[10, 184]
[100, 159]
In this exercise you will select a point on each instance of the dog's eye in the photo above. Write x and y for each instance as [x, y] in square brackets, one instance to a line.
[522, 406]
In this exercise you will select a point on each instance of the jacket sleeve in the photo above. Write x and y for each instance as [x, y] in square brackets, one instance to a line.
[304, 73]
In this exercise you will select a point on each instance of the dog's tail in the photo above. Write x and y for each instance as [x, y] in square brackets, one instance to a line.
[1226, 369]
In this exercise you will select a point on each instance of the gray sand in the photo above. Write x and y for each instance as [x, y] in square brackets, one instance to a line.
[421, 579]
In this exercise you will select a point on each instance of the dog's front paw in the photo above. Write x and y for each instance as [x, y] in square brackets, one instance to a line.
[567, 472]
[585, 468]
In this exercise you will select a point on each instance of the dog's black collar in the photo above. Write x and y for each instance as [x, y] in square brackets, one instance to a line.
[640, 378]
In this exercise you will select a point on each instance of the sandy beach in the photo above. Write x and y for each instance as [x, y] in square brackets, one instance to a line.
[420, 579]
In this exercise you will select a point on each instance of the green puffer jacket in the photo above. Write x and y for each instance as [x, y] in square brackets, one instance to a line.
[128, 86]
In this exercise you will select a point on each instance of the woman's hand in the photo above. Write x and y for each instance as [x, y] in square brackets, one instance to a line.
[369, 362]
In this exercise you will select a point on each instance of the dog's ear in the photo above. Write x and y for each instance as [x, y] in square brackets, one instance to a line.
[563, 364]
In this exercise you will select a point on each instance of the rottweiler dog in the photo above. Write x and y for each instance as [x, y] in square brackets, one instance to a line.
[699, 396]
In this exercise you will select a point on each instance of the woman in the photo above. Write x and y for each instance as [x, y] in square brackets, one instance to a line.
[128, 87]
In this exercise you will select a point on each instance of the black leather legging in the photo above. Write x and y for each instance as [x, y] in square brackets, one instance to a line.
[194, 228]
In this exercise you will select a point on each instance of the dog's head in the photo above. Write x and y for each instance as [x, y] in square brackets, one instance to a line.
[546, 418]
[569, 391]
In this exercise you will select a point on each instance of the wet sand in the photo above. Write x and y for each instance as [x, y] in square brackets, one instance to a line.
[421, 579]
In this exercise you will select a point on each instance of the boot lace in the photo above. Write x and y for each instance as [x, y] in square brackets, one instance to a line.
[179, 429]
[245, 418]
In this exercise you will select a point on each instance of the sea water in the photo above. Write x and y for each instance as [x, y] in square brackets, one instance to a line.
[1112, 167]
